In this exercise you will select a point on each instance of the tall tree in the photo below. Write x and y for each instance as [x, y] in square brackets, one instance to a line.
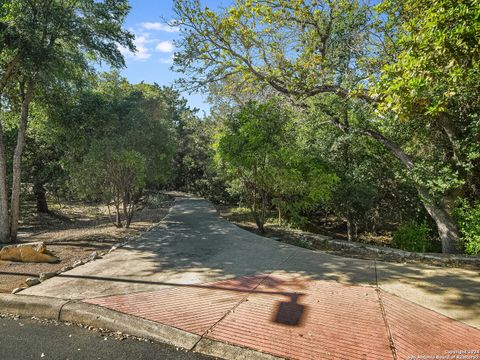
[312, 49]
[119, 138]
[257, 148]
[48, 41]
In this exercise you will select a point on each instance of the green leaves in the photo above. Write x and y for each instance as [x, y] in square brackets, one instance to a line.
[117, 117]
[468, 217]
[259, 147]
[404, 73]
[56, 41]
[438, 54]
[295, 47]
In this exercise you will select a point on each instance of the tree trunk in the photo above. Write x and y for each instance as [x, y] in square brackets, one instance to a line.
[258, 222]
[41, 198]
[17, 158]
[4, 215]
[118, 218]
[257, 218]
[446, 225]
[352, 230]
[131, 207]
[125, 211]
[349, 230]
[261, 227]
[4, 211]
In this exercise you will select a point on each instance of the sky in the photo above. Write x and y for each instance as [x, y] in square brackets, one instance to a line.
[154, 40]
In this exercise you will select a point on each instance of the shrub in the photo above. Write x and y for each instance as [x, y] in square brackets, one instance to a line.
[413, 237]
[155, 199]
[468, 218]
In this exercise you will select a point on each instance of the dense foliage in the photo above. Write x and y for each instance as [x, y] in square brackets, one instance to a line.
[48, 44]
[257, 149]
[364, 116]
[393, 89]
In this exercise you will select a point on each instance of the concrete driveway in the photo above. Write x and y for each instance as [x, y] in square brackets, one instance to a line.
[202, 274]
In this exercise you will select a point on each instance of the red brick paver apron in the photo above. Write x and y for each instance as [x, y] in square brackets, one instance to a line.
[298, 318]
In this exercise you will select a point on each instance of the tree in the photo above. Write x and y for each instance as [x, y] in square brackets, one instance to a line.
[119, 178]
[41, 162]
[309, 50]
[119, 139]
[248, 148]
[257, 148]
[433, 90]
[48, 41]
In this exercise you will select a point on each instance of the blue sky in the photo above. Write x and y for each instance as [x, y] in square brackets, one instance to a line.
[154, 42]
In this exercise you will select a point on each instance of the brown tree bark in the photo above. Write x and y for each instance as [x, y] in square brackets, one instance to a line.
[126, 208]
[26, 92]
[4, 213]
[446, 225]
[256, 216]
[41, 198]
[349, 231]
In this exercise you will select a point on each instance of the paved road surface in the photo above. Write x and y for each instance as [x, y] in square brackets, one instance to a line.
[24, 339]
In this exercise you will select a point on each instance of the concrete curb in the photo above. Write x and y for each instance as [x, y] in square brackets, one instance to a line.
[227, 351]
[24, 305]
[100, 317]
[441, 259]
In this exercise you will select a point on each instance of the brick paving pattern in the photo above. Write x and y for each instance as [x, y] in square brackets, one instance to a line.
[421, 332]
[298, 318]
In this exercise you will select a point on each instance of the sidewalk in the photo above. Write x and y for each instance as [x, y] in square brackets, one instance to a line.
[215, 283]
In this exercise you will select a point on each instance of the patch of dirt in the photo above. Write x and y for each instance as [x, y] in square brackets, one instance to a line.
[72, 233]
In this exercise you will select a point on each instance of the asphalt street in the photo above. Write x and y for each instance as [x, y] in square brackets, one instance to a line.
[22, 339]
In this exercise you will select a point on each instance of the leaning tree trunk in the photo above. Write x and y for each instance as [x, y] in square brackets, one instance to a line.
[41, 198]
[446, 225]
[17, 159]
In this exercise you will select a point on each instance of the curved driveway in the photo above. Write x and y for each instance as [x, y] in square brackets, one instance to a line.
[198, 272]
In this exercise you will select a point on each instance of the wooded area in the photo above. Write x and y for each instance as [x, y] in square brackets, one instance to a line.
[368, 114]
[382, 102]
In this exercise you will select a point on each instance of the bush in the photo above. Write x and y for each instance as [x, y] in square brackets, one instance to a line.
[155, 199]
[413, 237]
[468, 218]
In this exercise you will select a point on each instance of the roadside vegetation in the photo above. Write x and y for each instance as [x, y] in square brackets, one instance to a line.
[340, 109]
[337, 117]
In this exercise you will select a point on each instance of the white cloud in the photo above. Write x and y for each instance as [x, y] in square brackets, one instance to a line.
[142, 53]
[167, 27]
[168, 60]
[146, 42]
[164, 46]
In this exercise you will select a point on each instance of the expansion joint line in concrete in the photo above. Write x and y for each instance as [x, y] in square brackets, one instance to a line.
[384, 315]
[241, 301]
